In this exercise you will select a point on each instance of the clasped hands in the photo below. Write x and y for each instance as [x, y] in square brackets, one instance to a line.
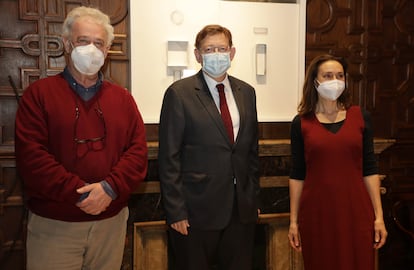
[96, 201]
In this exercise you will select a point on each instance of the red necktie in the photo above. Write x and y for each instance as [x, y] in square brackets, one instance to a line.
[225, 113]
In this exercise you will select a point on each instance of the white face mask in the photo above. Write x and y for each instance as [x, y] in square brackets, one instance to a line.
[331, 89]
[87, 59]
[216, 64]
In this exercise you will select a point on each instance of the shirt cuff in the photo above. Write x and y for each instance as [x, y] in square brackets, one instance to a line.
[108, 189]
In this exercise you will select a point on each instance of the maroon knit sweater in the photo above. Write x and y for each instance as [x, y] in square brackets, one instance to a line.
[53, 166]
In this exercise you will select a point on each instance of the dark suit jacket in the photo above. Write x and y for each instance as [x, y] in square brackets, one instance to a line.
[198, 163]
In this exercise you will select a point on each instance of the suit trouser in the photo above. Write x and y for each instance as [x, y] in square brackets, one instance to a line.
[228, 249]
[91, 245]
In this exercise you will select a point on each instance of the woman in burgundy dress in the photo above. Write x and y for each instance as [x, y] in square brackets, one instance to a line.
[336, 213]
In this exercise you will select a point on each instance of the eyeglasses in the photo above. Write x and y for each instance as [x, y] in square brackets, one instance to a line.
[220, 49]
[83, 146]
[100, 44]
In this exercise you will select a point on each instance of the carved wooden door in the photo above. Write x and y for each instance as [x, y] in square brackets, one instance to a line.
[31, 48]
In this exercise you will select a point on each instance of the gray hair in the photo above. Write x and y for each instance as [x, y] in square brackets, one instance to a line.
[95, 14]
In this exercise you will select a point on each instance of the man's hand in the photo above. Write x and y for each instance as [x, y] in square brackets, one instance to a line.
[181, 226]
[96, 202]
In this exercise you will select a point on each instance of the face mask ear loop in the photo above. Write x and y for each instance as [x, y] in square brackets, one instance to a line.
[316, 83]
[72, 47]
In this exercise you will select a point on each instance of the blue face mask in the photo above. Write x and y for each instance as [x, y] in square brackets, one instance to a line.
[216, 64]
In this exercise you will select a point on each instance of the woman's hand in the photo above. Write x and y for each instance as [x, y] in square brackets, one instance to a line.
[294, 237]
[380, 235]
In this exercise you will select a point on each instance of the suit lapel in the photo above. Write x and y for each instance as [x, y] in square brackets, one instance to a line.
[207, 100]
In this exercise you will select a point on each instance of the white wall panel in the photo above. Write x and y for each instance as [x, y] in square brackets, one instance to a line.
[280, 26]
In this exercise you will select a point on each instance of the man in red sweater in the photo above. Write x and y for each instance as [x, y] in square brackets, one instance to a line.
[80, 150]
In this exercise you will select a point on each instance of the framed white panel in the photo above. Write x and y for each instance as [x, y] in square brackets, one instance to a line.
[280, 26]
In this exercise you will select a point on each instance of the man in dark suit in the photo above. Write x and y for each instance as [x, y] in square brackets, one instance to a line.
[208, 161]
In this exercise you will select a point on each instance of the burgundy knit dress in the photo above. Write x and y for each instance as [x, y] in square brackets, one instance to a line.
[336, 216]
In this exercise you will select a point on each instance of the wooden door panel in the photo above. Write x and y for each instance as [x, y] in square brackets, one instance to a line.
[31, 48]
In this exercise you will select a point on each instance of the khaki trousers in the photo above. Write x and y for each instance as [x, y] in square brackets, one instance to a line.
[59, 245]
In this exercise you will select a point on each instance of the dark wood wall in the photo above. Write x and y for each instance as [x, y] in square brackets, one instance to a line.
[376, 36]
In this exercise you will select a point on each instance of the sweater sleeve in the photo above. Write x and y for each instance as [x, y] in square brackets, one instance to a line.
[370, 165]
[131, 169]
[298, 166]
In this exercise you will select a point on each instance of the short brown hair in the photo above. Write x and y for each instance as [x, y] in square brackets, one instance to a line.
[210, 30]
